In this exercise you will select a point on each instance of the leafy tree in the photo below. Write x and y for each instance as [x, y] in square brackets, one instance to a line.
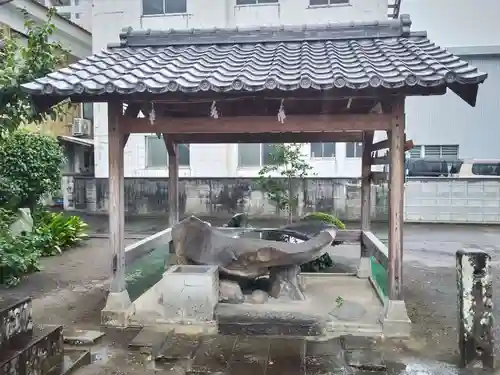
[287, 162]
[31, 163]
[24, 61]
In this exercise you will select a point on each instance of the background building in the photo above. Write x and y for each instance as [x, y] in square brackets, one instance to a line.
[470, 31]
[75, 128]
[442, 126]
[77, 11]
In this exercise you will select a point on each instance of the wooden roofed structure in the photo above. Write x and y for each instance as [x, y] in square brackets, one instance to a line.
[333, 83]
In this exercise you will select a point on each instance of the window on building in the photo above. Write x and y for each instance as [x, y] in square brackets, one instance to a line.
[354, 149]
[65, 15]
[254, 154]
[77, 2]
[327, 2]
[255, 2]
[448, 152]
[60, 3]
[88, 111]
[416, 152]
[155, 7]
[88, 160]
[157, 156]
[77, 16]
[323, 150]
[486, 169]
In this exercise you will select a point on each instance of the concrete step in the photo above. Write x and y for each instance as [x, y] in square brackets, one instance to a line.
[36, 353]
[15, 321]
[73, 360]
[149, 341]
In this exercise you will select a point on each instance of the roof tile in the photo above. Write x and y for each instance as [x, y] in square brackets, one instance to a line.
[280, 62]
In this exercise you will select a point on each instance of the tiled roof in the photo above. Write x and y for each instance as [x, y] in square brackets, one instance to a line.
[352, 56]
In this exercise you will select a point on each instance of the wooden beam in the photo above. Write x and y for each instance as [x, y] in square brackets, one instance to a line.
[366, 181]
[380, 160]
[378, 177]
[125, 139]
[132, 110]
[348, 235]
[374, 247]
[258, 124]
[170, 145]
[381, 145]
[297, 137]
[116, 197]
[173, 180]
[396, 206]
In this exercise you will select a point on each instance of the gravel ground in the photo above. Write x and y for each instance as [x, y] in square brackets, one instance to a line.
[71, 288]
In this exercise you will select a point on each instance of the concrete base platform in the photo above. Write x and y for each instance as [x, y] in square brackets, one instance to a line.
[149, 312]
[336, 305]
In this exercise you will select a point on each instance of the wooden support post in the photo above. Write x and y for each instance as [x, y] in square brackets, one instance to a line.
[173, 181]
[116, 311]
[475, 309]
[396, 195]
[116, 199]
[364, 269]
[396, 321]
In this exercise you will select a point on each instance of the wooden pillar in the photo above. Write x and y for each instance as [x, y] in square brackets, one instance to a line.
[116, 197]
[396, 197]
[364, 269]
[366, 182]
[173, 181]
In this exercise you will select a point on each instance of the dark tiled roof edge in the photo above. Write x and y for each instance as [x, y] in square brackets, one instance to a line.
[400, 27]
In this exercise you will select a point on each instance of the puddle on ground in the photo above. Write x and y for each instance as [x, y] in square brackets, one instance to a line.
[416, 366]
[100, 355]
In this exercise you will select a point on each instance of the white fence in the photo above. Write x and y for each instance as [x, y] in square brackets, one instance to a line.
[427, 200]
[452, 200]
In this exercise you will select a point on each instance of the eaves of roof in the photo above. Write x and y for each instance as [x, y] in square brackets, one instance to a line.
[353, 56]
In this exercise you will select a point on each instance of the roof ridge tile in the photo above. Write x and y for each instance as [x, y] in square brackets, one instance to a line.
[265, 34]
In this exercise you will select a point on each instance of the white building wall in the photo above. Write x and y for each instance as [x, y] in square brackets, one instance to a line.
[75, 39]
[77, 11]
[214, 160]
[471, 30]
[450, 23]
[456, 23]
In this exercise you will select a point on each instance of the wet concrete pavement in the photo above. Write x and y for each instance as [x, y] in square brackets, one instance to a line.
[236, 355]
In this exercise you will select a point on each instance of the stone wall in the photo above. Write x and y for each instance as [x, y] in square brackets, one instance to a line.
[222, 197]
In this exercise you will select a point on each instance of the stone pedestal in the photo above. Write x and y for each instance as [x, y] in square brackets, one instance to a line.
[475, 309]
[189, 294]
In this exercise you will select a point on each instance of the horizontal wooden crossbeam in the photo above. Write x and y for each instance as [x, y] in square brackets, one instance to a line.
[244, 128]
[268, 137]
[381, 145]
[382, 160]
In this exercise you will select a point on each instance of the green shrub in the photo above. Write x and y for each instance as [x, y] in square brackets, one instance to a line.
[324, 261]
[30, 163]
[58, 232]
[7, 217]
[327, 218]
[19, 255]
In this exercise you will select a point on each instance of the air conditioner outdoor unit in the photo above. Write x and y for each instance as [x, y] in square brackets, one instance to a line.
[81, 126]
